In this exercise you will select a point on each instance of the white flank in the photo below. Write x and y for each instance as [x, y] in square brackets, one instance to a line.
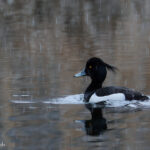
[95, 99]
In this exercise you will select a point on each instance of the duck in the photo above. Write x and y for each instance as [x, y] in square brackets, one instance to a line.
[97, 69]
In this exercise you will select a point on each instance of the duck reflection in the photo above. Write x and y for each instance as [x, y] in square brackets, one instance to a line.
[97, 124]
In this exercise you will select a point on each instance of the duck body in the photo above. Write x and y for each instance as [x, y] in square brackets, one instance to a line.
[130, 94]
[97, 70]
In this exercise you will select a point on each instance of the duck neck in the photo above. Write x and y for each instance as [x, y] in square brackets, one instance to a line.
[91, 89]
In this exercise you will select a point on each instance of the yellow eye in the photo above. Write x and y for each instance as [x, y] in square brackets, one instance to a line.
[90, 67]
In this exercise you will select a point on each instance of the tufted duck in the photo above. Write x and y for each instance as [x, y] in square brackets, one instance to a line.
[96, 68]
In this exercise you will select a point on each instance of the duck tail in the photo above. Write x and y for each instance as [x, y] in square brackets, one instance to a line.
[112, 68]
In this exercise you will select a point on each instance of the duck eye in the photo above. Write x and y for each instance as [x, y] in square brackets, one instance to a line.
[90, 67]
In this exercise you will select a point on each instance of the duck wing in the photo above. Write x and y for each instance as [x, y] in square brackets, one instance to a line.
[130, 94]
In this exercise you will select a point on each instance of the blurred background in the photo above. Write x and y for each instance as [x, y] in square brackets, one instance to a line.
[44, 43]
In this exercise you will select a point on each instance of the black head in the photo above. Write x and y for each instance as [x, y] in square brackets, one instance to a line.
[96, 68]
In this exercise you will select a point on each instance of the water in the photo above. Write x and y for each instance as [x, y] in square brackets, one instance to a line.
[43, 44]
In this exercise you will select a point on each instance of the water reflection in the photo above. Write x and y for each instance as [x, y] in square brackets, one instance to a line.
[97, 124]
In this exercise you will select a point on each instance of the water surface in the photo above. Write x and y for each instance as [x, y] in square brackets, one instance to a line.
[43, 44]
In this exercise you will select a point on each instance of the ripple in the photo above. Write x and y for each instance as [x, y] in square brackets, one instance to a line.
[78, 99]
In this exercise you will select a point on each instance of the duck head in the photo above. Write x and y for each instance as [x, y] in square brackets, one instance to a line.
[96, 68]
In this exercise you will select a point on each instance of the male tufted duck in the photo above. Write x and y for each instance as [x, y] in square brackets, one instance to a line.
[96, 68]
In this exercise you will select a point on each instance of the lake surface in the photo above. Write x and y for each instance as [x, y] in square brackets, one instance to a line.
[43, 44]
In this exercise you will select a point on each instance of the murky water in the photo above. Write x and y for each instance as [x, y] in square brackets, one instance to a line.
[43, 44]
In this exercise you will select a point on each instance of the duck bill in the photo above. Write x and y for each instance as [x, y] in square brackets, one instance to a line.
[80, 74]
